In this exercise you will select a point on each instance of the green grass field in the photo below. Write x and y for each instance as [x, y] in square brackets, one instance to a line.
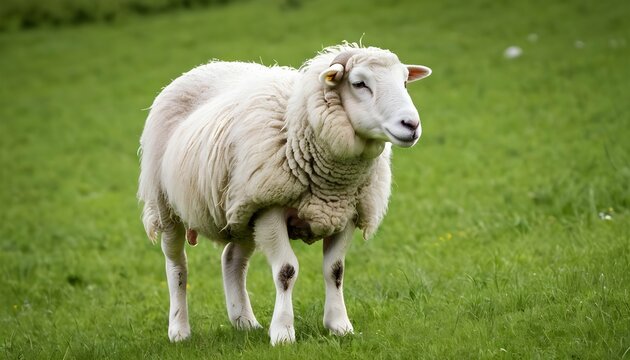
[508, 234]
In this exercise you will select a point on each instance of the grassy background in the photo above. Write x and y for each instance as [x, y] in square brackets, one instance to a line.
[493, 246]
[29, 14]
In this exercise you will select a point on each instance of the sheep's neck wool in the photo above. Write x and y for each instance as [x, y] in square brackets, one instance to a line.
[332, 184]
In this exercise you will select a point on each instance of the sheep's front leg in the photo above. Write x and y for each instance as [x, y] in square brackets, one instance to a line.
[270, 235]
[234, 262]
[176, 275]
[335, 315]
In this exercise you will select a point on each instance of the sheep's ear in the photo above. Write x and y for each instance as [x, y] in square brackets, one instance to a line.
[332, 76]
[417, 72]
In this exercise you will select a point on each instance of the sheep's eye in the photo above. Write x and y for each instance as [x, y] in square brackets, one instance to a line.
[359, 85]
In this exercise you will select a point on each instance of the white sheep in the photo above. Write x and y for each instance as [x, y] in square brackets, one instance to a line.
[252, 156]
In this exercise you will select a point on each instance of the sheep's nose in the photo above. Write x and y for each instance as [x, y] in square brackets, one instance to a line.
[410, 124]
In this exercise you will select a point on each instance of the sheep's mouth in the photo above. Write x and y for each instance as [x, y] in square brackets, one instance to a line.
[406, 141]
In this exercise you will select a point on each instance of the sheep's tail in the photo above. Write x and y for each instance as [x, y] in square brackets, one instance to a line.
[163, 117]
[151, 221]
[149, 192]
[156, 211]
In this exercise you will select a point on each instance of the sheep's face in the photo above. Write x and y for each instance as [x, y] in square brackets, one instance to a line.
[376, 100]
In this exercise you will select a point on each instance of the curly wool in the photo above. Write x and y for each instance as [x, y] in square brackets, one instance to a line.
[261, 137]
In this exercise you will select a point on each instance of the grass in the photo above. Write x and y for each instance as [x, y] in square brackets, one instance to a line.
[495, 244]
[29, 14]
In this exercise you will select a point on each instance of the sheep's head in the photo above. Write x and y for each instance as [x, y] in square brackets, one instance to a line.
[372, 86]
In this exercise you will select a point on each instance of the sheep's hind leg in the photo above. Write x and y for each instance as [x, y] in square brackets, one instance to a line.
[335, 315]
[176, 275]
[270, 234]
[234, 263]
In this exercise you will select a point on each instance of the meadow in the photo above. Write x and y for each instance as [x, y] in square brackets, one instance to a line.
[508, 232]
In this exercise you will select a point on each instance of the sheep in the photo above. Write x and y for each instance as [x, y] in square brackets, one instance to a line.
[252, 156]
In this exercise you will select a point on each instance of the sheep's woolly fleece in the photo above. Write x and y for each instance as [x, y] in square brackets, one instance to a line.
[227, 139]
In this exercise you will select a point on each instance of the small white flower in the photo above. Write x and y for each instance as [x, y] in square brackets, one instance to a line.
[605, 216]
[512, 52]
[579, 44]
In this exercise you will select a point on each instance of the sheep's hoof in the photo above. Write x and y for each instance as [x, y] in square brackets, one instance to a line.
[177, 333]
[246, 323]
[340, 327]
[281, 334]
